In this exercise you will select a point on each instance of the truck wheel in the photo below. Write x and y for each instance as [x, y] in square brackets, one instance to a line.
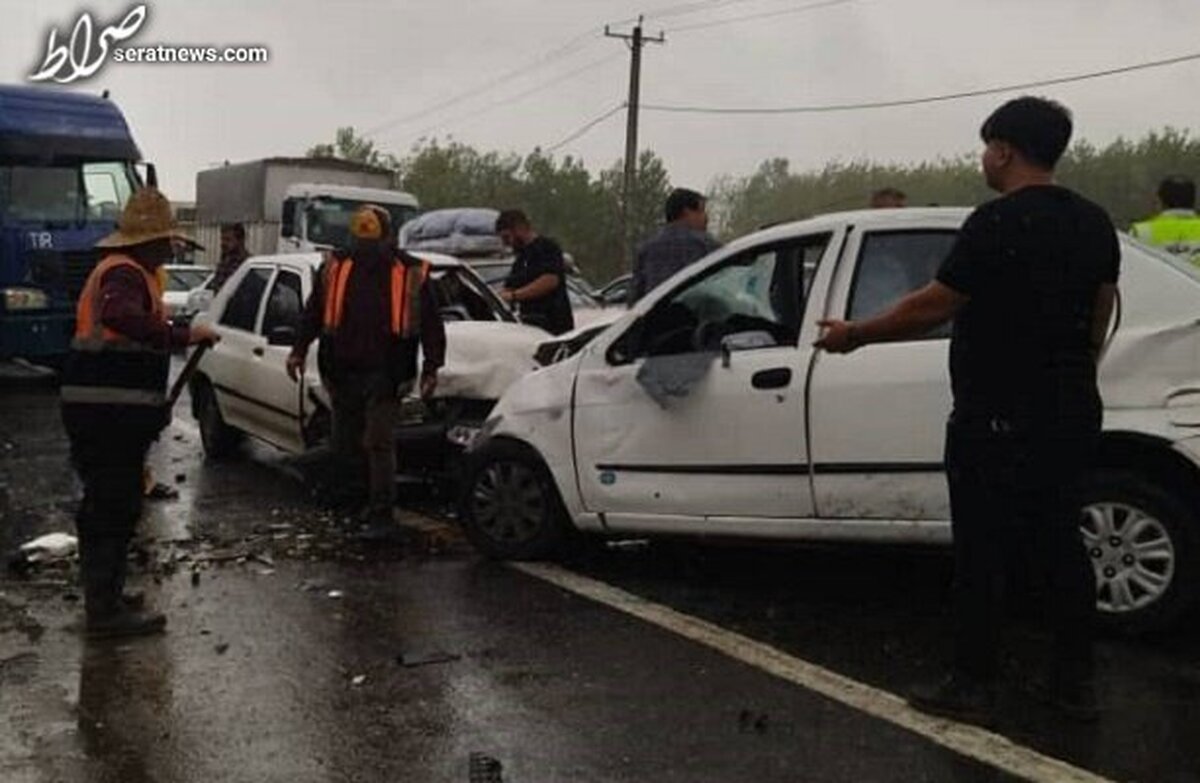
[220, 440]
[1142, 542]
[510, 508]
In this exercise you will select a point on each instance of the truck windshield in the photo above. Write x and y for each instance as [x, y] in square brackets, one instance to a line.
[64, 194]
[328, 219]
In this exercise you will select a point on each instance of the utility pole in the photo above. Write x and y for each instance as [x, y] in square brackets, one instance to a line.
[636, 41]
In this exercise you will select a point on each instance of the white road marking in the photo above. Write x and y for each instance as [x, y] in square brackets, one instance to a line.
[967, 740]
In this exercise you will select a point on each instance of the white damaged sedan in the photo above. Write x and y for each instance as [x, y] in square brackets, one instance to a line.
[241, 385]
[706, 411]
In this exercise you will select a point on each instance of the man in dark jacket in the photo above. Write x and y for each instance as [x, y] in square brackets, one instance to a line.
[372, 308]
[113, 397]
[682, 241]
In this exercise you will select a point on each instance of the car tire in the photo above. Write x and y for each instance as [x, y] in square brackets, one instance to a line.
[1142, 543]
[220, 440]
[509, 506]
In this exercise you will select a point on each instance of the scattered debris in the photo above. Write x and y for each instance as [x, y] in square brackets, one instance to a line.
[180, 478]
[195, 577]
[335, 595]
[412, 660]
[222, 648]
[50, 547]
[482, 768]
[358, 680]
[750, 721]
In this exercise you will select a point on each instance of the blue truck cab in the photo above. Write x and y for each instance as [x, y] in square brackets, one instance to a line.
[66, 170]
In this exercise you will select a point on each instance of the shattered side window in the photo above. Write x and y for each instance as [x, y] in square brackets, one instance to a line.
[762, 290]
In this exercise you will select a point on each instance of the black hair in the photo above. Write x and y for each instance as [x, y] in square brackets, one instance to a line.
[1038, 128]
[238, 230]
[681, 200]
[1177, 192]
[510, 219]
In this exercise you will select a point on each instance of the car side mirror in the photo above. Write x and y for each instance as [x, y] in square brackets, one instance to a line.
[628, 346]
[282, 335]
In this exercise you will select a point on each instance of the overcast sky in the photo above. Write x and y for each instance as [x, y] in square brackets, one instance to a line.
[386, 63]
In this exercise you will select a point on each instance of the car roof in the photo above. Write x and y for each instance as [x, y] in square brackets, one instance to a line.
[314, 260]
[872, 218]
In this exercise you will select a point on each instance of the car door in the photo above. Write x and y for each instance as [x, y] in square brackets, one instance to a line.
[274, 393]
[236, 357]
[877, 416]
[734, 446]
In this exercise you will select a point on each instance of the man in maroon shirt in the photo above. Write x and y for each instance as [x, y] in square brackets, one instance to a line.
[372, 308]
[114, 402]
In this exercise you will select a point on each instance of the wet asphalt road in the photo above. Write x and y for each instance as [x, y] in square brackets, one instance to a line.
[293, 655]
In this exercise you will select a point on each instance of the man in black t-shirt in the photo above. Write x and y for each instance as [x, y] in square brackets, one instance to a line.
[538, 280]
[1030, 285]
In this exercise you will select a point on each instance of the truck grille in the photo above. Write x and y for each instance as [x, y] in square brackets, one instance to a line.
[77, 265]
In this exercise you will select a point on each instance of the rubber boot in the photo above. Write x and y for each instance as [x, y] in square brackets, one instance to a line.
[108, 616]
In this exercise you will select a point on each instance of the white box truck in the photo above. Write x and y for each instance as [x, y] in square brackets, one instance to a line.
[292, 205]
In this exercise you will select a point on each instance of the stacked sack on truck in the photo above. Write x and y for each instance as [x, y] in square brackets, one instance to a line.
[462, 231]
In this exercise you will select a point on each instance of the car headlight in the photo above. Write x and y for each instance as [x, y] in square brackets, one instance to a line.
[468, 438]
[25, 299]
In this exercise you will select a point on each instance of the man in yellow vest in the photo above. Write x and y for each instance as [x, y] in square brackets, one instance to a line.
[113, 402]
[1176, 228]
[372, 307]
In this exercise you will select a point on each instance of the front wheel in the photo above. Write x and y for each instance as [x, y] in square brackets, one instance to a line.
[510, 508]
[1141, 542]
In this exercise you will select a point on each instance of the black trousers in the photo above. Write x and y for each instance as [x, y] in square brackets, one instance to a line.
[108, 450]
[1015, 506]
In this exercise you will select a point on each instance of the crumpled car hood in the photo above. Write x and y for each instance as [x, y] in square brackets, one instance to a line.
[484, 358]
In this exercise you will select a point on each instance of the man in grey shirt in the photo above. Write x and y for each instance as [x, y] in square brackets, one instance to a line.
[683, 240]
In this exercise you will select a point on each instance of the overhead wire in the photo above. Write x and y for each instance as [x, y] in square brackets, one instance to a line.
[586, 128]
[572, 46]
[759, 15]
[843, 107]
[509, 100]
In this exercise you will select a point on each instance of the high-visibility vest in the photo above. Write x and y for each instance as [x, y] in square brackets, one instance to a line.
[1174, 230]
[404, 295]
[105, 367]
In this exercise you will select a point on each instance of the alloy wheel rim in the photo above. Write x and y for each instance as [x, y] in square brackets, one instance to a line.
[1132, 555]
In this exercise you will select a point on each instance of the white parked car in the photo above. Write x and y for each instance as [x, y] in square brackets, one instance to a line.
[183, 281]
[777, 440]
[241, 385]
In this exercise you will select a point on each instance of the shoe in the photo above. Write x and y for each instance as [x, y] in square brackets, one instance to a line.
[957, 697]
[123, 623]
[1074, 699]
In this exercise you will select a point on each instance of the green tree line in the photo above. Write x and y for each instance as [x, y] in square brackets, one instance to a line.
[582, 209]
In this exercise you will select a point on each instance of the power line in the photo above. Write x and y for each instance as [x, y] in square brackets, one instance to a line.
[511, 99]
[583, 130]
[841, 107]
[566, 49]
[760, 15]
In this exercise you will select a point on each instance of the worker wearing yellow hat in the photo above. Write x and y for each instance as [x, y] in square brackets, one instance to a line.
[373, 310]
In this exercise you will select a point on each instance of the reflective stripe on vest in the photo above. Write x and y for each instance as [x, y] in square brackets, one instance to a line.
[90, 332]
[106, 367]
[404, 292]
[111, 395]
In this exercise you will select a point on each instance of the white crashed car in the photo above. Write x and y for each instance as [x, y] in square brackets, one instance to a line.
[241, 385]
[706, 410]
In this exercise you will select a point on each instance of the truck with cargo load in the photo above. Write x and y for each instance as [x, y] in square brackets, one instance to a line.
[67, 167]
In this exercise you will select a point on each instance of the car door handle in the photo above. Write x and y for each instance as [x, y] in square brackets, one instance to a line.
[771, 379]
[257, 352]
